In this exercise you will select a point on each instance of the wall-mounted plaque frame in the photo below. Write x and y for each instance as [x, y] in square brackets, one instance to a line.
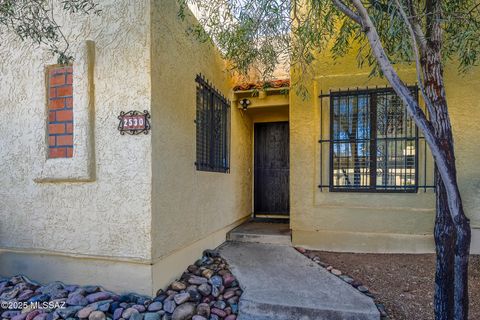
[134, 122]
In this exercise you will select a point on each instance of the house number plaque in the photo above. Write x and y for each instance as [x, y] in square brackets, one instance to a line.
[134, 122]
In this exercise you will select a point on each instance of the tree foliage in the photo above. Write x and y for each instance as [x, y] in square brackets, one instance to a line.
[258, 34]
[34, 20]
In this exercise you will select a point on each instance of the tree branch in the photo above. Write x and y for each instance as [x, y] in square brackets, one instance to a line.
[409, 24]
[417, 28]
[445, 170]
[347, 11]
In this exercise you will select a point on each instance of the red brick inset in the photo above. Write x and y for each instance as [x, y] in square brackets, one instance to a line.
[60, 111]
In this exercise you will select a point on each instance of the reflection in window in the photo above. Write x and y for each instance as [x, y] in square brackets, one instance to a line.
[374, 142]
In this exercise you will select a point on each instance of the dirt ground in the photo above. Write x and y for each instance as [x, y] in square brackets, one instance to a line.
[403, 283]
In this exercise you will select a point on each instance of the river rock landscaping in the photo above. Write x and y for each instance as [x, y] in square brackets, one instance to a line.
[207, 290]
[351, 281]
[402, 284]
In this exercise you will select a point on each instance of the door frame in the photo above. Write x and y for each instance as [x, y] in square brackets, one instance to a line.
[282, 218]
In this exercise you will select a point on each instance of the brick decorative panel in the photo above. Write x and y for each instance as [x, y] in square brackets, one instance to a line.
[60, 112]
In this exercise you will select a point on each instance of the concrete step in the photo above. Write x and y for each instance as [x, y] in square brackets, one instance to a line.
[281, 284]
[261, 232]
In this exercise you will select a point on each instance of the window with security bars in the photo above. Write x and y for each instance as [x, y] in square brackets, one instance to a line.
[213, 128]
[374, 142]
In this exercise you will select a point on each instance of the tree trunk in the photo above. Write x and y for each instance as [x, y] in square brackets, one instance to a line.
[442, 150]
[444, 229]
[452, 238]
[444, 248]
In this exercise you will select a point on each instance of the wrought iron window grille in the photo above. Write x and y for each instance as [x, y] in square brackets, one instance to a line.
[212, 128]
[373, 145]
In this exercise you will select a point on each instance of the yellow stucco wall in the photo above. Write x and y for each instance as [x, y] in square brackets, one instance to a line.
[67, 225]
[189, 205]
[74, 216]
[367, 222]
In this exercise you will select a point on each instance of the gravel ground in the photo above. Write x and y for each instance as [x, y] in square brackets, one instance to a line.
[403, 283]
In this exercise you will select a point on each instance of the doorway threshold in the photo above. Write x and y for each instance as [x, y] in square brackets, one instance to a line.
[261, 232]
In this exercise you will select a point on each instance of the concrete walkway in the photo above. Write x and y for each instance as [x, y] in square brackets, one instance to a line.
[281, 284]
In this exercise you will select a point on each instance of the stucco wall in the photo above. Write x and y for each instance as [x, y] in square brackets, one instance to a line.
[111, 214]
[365, 221]
[189, 205]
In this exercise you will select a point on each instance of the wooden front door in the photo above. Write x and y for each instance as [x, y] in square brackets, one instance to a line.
[272, 169]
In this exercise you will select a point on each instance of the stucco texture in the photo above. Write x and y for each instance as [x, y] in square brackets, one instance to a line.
[189, 205]
[109, 215]
[371, 222]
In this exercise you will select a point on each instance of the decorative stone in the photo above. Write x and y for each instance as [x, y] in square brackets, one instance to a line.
[99, 296]
[207, 273]
[169, 306]
[129, 312]
[203, 309]
[30, 315]
[9, 295]
[41, 316]
[218, 312]
[151, 316]
[70, 288]
[178, 286]
[68, 311]
[10, 313]
[301, 250]
[85, 312]
[117, 314]
[20, 316]
[40, 298]
[77, 300]
[181, 298]
[197, 280]
[58, 294]
[228, 294]
[139, 308]
[104, 307]
[362, 289]
[381, 309]
[184, 312]
[96, 315]
[160, 298]
[216, 281]
[136, 316]
[205, 289]
[91, 289]
[192, 268]
[25, 295]
[155, 306]
[220, 305]
[195, 296]
[208, 285]
[228, 310]
[347, 279]
[228, 279]
[215, 291]
[336, 272]
[234, 307]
